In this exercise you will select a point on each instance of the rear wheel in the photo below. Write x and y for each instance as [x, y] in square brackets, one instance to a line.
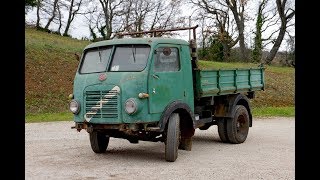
[238, 126]
[172, 138]
[222, 130]
[99, 141]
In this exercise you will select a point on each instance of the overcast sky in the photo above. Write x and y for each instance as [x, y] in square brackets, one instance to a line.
[79, 28]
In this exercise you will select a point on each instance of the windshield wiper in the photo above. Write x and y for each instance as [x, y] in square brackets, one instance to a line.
[133, 54]
[100, 56]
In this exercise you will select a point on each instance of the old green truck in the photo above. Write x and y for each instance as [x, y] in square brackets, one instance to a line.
[151, 89]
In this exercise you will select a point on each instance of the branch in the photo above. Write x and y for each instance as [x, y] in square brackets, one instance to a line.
[269, 25]
[289, 25]
[265, 45]
[288, 33]
[265, 18]
[288, 18]
[265, 39]
[235, 42]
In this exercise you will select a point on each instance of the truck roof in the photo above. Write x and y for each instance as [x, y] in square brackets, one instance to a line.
[150, 41]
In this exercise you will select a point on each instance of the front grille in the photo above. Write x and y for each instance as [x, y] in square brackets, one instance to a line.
[102, 104]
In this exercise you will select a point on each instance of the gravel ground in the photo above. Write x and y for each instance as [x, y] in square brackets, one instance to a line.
[55, 151]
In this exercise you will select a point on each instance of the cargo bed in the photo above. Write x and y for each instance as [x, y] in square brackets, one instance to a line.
[228, 81]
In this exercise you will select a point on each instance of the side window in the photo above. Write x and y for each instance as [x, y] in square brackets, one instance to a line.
[167, 59]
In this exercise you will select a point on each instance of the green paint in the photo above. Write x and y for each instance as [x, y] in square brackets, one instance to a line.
[228, 81]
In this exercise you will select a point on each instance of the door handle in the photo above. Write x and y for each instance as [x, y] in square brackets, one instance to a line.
[155, 76]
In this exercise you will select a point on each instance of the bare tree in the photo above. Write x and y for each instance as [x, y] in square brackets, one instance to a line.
[266, 19]
[157, 14]
[151, 14]
[169, 15]
[285, 15]
[39, 4]
[90, 15]
[224, 24]
[238, 14]
[74, 7]
[109, 8]
[224, 36]
[60, 16]
[115, 16]
[140, 10]
[53, 14]
[126, 12]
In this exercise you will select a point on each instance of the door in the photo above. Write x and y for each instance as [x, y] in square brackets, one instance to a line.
[165, 81]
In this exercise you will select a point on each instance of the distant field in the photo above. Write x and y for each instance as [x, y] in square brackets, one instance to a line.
[50, 67]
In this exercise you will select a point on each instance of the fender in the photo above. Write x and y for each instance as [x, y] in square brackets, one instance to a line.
[228, 110]
[171, 108]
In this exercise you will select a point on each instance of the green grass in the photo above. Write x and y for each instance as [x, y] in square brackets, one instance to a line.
[50, 67]
[273, 111]
[257, 112]
[48, 117]
[37, 42]
[223, 65]
[228, 65]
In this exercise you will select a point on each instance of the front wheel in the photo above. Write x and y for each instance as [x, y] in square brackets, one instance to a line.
[238, 126]
[172, 138]
[99, 142]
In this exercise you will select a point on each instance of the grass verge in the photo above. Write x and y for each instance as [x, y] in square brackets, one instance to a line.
[48, 117]
[273, 111]
[257, 112]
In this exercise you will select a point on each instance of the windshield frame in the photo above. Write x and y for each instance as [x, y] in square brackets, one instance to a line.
[128, 45]
[111, 57]
[95, 49]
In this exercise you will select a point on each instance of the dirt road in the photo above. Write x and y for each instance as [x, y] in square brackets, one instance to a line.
[55, 151]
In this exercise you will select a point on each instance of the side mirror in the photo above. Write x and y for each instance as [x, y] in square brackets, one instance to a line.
[77, 56]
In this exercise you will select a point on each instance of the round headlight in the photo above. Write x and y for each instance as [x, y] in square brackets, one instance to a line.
[74, 106]
[131, 106]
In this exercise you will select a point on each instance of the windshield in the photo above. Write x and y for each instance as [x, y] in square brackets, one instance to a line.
[130, 58]
[95, 60]
[125, 58]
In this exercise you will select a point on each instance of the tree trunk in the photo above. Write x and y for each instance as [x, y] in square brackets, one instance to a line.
[107, 10]
[60, 19]
[93, 34]
[257, 50]
[69, 19]
[53, 14]
[226, 50]
[38, 14]
[285, 18]
[276, 45]
[238, 17]
[242, 45]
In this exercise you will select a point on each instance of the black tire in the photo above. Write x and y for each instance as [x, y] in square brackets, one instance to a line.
[238, 126]
[99, 142]
[222, 130]
[172, 138]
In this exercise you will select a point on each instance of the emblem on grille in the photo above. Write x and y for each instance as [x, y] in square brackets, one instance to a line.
[102, 77]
